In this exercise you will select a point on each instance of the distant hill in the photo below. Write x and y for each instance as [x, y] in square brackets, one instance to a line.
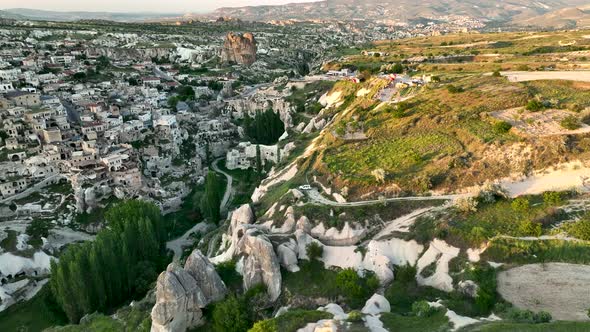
[11, 16]
[47, 15]
[401, 10]
[562, 18]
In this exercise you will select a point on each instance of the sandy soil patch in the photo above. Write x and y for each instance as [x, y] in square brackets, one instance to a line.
[524, 76]
[567, 43]
[559, 288]
[329, 100]
[486, 42]
[363, 92]
[545, 123]
[533, 37]
[563, 177]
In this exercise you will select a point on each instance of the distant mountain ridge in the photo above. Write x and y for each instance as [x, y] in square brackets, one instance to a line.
[402, 10]
[541, 13]
[48, 15]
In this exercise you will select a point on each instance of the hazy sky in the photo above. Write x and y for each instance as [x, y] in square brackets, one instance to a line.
[137, 5]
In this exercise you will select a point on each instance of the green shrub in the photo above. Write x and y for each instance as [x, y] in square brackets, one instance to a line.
[454, 89]
[227, 272]
[397, 68]
[290, 321]
[269, 325]
[552, 198]
[355, 316]
[422, 309]
[356, 289]
[231, 315]
[406, 273]
[527, 316]
[542, 317]
[529, 228]
[314, 251]
[580, 229]
[521, 204]
[496, 73]
[428, 270]
[502, 127]
[571, 122]
[397, 113]
[534, 105]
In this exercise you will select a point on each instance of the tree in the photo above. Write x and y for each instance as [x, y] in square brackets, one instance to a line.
[211, 201]
[79, 76]
[355, 288]
[258, 162]
[266, 127]
[121, 264]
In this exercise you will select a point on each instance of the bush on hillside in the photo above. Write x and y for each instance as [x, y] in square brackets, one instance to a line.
[521, 204]
[422, 309]
[314, 251]
[534, 105]
[356, 289]
[571, 122]
[502, 127]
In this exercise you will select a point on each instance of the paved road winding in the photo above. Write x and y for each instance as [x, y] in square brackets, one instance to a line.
[228, 188]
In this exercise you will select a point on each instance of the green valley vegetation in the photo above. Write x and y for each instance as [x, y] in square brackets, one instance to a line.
[120, 265]
[265, 128]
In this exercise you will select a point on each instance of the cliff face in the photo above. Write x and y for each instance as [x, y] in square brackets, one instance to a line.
[239, 49]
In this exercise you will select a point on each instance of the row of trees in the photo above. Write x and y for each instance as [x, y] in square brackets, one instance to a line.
[211, 199]
[119, 265]
[265, 128]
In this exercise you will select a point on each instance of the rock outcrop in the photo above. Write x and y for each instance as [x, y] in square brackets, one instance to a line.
[240, 218]
[199, 267]
[288, 255]
[181, 293]
[261, 265]
[178, 301]
[240, 49]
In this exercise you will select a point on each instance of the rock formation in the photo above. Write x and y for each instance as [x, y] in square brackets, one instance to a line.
[199, 267]
[181, 293]
[261, 265]
[239, 49]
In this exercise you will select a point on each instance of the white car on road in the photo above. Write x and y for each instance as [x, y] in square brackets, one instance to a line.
[305, 187]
